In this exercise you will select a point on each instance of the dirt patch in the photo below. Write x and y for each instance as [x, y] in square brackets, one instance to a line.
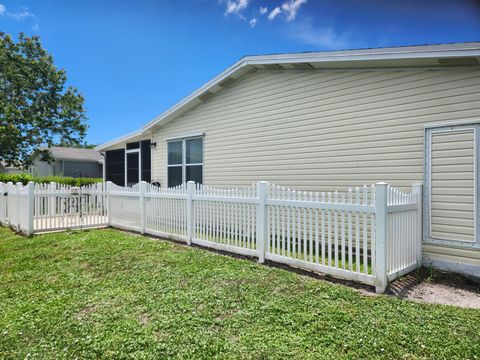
[85, 312]
[436, 287]
[144, 319]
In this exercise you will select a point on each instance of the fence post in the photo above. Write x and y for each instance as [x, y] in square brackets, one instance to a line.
[3, 204]
[190, 223]
[8, 209]
[52, 211]
[380, 237]
[417, 192]
[31, 203]
[262, 221]
[142, 189]
[108, 188]
[19, 185]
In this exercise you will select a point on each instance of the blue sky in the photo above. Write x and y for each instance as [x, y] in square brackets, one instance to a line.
[132, 60]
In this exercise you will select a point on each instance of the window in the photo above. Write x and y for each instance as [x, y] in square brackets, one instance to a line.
[185, 161]
[134, 145]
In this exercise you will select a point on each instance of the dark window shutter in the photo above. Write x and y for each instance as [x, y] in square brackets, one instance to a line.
[146, 160]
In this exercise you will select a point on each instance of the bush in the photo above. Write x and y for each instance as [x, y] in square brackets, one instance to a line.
[25, 178]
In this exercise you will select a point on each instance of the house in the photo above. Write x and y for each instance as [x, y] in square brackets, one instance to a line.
[5, 169]
[68, 161]
[325, 121]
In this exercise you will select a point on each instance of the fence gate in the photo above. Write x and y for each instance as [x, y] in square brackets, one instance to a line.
[60, 207]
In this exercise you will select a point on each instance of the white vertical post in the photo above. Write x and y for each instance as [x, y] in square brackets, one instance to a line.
[380, 237]
[8, 208]
[262, 221]
[19, 185]
[108, 189]
[142, 188]
[52, 211]
[417, 192]
[190, 223]
[31, 202]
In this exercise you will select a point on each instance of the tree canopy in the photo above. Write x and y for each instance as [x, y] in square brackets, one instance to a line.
[36, 106]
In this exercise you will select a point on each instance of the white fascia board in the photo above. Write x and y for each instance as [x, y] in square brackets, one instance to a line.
[371, 54]
[471, 50]
[118, 140]
[178, 106]
[228, 72]
[288, 58]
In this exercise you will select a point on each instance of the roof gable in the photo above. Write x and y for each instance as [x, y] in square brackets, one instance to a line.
[74, 154]
[461, 54]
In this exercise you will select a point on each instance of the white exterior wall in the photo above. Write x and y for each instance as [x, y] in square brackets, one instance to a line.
[324, 130]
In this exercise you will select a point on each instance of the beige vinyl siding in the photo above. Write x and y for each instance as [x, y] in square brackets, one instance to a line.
[452, 185]
[320, 130]
[314, 129]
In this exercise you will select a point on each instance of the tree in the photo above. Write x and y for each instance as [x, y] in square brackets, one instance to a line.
[36, 108]
[83, 145]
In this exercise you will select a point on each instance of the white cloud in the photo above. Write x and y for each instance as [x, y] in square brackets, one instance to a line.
[253, 22]
[326, 38]
[263, 10]
[36, 28]
[21, 15]
[291, 7]
[236, 6]
[273, 14]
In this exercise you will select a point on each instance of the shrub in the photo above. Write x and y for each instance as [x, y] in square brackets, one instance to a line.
[25, 178]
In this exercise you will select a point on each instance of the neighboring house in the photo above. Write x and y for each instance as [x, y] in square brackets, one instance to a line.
[327, 121]
[5, 169]
[68, 161]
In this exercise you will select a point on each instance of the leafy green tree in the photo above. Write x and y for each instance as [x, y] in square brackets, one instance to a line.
[36, 107]
[83, 145]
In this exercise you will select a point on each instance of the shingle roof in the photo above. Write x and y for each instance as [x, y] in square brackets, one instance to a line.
[76, 154]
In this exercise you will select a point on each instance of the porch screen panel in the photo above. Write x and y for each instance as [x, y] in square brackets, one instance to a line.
[452, 185]
[115, 166]
[132, 168]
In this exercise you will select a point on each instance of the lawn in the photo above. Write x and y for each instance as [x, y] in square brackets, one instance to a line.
[110, 294]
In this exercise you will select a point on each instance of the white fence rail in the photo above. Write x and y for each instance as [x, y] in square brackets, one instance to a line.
[370, 234]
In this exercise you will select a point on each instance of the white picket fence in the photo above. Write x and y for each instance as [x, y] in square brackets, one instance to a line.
[370, 234]
[46, 207]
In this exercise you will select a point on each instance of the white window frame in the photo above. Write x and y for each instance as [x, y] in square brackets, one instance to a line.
[427, 199]
[184, 165]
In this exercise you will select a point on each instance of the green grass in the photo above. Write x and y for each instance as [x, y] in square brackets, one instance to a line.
[108, 294]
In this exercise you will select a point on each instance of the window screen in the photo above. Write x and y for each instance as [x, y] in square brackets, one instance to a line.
[132, 168]
[115, 166]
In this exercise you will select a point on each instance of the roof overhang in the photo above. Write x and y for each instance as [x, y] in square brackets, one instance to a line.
[424, 56]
